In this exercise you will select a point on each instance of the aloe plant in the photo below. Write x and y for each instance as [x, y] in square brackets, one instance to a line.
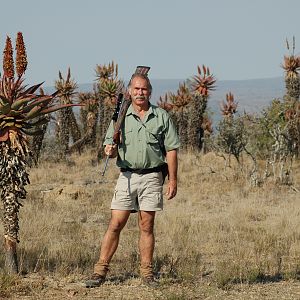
[89, 115]
[291, 66]
[188, 106]
[108, 87]
[67, 125]
[22, 110]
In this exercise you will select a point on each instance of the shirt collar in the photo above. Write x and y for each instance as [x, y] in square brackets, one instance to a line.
[131, 111]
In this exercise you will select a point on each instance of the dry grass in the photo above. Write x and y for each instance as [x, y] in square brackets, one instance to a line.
[218, 235]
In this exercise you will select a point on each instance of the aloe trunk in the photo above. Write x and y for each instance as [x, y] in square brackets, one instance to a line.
[74, 128]
[37, 143]
[195, 131]
[85, 140]
[182, 119]
[293, 87]
[14, 178]
[11, 259]
[63, 130]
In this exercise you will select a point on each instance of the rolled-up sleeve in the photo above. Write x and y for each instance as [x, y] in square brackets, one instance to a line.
[171, 140]
[109, 134]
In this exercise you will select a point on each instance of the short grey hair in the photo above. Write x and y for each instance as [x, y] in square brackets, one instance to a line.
[145, 77]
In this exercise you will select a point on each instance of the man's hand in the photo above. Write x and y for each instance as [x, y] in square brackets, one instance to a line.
[172, 189]
[172, 167]
[111, 150]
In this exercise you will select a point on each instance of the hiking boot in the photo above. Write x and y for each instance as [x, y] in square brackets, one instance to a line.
[95, 281]
[150, 282]
[146, 271]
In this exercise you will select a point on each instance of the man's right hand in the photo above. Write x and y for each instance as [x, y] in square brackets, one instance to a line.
[111, 150]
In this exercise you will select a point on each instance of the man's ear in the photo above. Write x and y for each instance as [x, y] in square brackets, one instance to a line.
[129, 90]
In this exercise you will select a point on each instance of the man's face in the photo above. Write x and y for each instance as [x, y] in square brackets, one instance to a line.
[139, 91]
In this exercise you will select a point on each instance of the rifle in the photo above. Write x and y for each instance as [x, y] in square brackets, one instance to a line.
[118, 117]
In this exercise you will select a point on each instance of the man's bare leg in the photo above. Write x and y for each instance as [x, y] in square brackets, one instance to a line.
[111, 238]
[146, 242]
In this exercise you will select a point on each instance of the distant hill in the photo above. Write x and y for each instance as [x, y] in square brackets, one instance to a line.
[252, 95]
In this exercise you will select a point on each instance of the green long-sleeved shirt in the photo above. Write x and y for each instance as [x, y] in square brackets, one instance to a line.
[142, 140]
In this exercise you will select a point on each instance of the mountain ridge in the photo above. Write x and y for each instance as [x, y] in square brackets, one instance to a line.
[252, 95]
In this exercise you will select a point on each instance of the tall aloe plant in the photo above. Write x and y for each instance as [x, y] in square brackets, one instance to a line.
[66, 119]
[201, 85]
[291, 66]
[89, 115]
[188, 107]
[181, 101]
[108, 87]
[21, 111]
[36, 142]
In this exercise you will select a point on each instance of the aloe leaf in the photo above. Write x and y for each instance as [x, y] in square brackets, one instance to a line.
[34, 112]
[32, 89]
[55, 94]
[5, 109]
[8, 124]
[42, 99]
[4, 99]
[18, 103]
[43, 102]
[19, 125]
[39, 122]
[15, 113]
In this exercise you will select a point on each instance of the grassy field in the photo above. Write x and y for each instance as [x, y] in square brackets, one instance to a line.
[220, 238]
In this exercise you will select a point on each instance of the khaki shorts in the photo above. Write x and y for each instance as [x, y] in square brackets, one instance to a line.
[138, 192]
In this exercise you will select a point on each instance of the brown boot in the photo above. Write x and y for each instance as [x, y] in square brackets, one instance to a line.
[146, 271]
[100, 270]
[95, 281]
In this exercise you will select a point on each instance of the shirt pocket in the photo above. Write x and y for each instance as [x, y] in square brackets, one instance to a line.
[154, 140]
[127, 137]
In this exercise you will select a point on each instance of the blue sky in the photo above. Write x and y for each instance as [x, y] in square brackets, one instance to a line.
[237, 39]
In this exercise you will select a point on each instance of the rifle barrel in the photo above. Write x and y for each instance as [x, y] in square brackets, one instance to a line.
[105, 166]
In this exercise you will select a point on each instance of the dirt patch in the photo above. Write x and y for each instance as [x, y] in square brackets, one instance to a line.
[44, 287]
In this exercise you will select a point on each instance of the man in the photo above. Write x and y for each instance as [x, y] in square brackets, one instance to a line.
[148, 137]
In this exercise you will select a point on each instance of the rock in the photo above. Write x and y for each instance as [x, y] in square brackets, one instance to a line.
[83, 219]
[69, 220]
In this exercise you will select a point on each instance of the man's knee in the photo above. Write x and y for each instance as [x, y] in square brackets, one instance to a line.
[116, 226]
[118, 221]
[146, 226]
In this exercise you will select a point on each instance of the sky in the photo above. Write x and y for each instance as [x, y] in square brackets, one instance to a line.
[236, 39]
